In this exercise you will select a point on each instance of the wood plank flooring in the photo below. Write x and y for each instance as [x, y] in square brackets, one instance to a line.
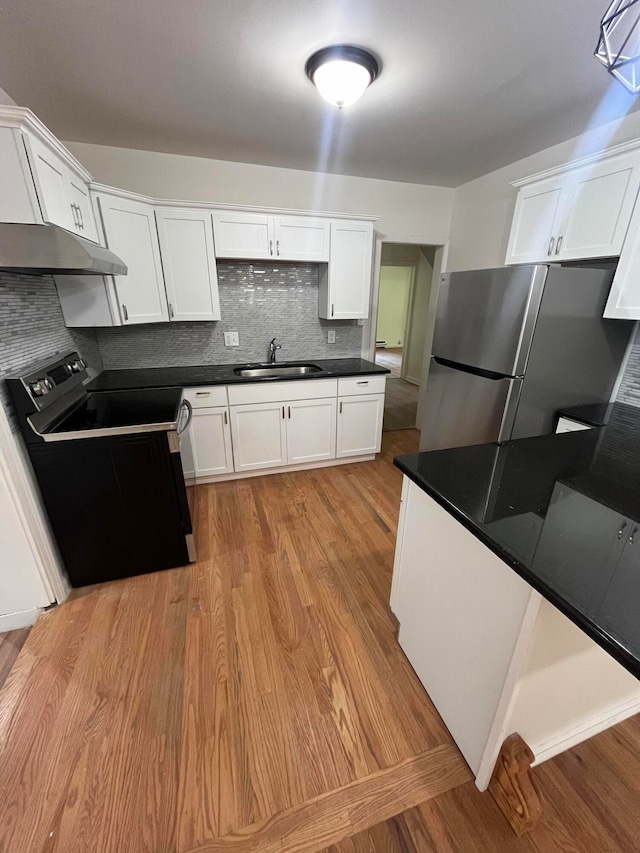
[391, 358]
[261, 686]
[10, 644]
[592, 795]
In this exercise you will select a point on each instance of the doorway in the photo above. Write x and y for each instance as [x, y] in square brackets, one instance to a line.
[402, 327]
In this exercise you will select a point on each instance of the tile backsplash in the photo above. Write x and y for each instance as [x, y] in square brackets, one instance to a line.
[629, 391]
[259, 301]
[32, 328]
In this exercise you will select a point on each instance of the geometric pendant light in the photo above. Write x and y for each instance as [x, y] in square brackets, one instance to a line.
[619, 44]
[341, 73]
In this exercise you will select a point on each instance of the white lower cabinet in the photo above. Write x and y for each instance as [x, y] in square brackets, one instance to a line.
[360, 425]
[259, 436]
[311, 431]
[211, 442]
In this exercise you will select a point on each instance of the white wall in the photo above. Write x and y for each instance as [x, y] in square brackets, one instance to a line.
[6, 100]
[483, 208]
[408, 212]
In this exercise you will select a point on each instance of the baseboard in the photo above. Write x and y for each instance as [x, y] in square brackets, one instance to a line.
[23, 619]
[559, 743]
[282, 469]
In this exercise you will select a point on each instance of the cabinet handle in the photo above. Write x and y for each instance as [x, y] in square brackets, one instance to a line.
[551, 244]
[332, 309]
[171, 311]
[226, 419]
[271, 247]
[278, 248]
[80, 217]
[558, 244]
[340, 407]
[622, 528]
[283, 413]
[125, 312]
[633, 535]
[75, 215]
[289, 408]
[363, 383]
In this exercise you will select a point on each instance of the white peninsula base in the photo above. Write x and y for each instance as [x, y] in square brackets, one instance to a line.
[494, 656]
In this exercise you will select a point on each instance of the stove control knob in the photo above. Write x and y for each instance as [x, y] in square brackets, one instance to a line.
[77, 365]
[38, 388]
[48, 384]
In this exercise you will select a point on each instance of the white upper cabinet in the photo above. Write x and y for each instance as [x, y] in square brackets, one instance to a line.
[243, 235]
[624, 297]
[345, 283]
[130, 232]
[537, 218]
[582, 213]
[63, 194]
[302, 238]
[189, 263]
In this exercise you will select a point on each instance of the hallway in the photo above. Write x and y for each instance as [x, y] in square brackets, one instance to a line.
[401, 399]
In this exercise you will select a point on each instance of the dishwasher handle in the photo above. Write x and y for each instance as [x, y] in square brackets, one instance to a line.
[185, 406]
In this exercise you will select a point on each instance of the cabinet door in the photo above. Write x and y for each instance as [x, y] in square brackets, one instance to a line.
[188, 263]
[211, 442]
[243, 235]
[311, 430]
[78, 195]
[50, 175]
[302, 238]
[345, 285]
[619, 611]
[18, 199]
[259, 436]
[360, 425]
[593, 533]
[601, 198]
[130, 231]
[537, 217]
[624, 297]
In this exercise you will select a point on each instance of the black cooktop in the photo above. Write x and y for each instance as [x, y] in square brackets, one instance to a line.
[563, 511]
[118, 409]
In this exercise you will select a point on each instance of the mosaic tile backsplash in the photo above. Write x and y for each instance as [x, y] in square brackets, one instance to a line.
[630, 386]
[260, 302]
[32, 328]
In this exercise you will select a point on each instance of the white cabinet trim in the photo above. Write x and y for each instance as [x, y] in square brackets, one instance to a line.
[623, 148]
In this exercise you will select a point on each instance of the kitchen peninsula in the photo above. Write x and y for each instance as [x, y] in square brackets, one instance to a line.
[517, 586]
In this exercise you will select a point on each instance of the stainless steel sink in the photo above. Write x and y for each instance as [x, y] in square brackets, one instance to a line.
[266, 370]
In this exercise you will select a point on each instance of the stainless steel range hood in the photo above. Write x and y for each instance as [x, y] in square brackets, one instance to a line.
[39, 249]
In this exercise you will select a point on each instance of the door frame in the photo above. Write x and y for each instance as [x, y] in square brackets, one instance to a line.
[412, 285]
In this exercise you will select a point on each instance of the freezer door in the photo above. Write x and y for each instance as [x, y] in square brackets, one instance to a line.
[486, 318]
[465, 407]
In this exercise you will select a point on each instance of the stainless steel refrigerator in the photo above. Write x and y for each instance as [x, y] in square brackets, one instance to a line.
[513, 345]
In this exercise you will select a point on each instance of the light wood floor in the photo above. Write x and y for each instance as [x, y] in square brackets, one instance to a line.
[10, 644]
[256, 694]
[592, 805]
[258, 701]
[391, 358]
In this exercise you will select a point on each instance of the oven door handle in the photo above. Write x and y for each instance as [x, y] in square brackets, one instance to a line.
[189, 408]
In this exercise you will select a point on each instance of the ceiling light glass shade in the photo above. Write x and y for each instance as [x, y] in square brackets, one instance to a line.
[342, 73]
[619, 44]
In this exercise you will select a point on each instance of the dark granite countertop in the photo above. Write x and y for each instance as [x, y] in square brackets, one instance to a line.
[563, 511]
[222, 374]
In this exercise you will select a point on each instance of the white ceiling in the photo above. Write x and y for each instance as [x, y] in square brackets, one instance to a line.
[466, 86]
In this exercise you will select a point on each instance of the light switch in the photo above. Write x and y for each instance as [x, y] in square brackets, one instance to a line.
[231, 339]
[331, 336]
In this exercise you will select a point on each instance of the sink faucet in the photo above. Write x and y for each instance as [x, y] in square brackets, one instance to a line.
[273, 346]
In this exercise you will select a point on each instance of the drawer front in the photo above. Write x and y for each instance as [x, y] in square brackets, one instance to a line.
[207, 396]
[273, 392]
[351, 385]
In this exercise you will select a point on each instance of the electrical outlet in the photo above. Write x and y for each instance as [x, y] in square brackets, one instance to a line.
[231, 339]
[331, 336]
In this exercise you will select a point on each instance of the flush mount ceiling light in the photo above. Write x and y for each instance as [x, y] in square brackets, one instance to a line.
[619, 44]
[341, 73]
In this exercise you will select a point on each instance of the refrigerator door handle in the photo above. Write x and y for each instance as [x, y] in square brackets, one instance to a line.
[467, 368]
